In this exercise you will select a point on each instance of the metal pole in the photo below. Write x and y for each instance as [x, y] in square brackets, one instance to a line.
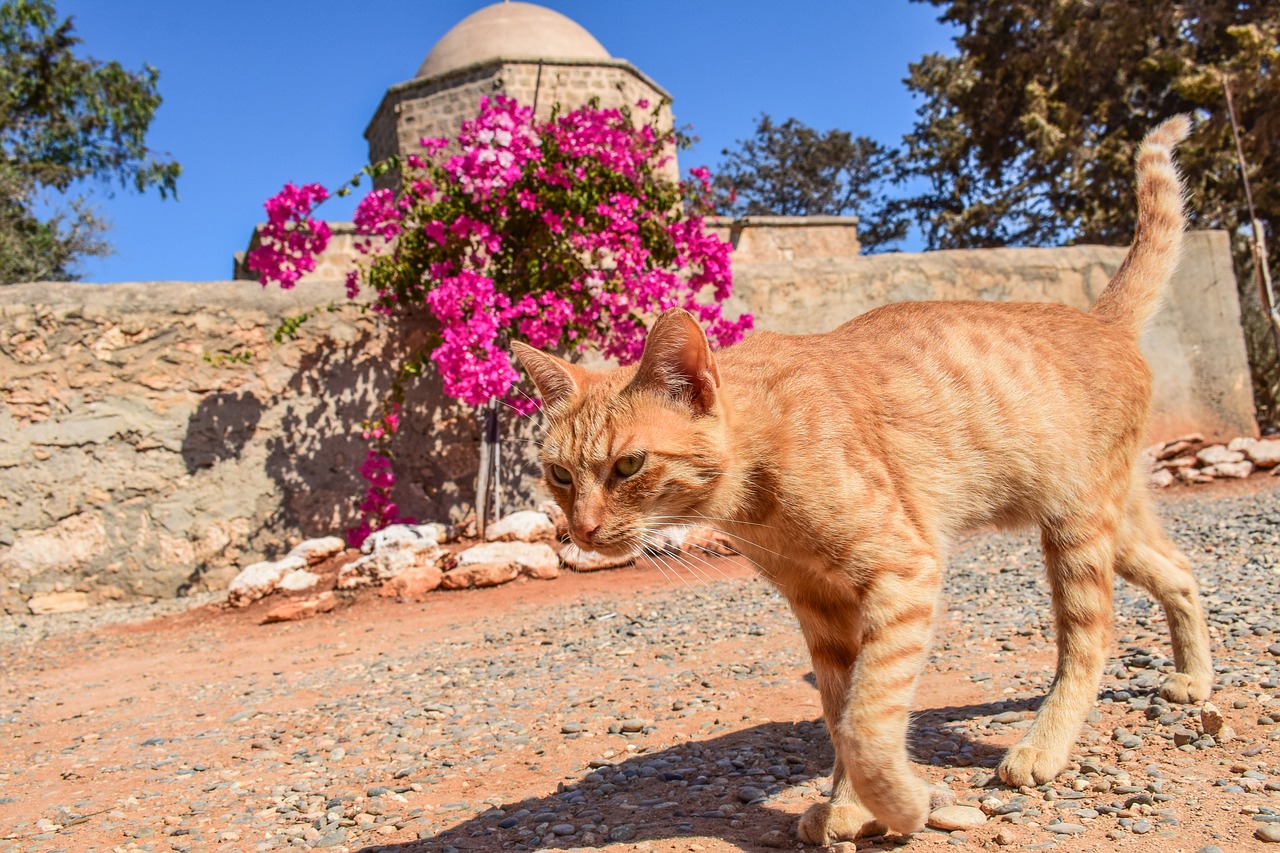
[496, 438]
[489, 483]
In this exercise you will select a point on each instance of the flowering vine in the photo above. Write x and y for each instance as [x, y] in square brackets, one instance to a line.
[565, 232]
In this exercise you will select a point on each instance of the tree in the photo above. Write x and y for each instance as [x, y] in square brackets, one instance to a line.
[1027, 135]
[63, 121]
[790, 169]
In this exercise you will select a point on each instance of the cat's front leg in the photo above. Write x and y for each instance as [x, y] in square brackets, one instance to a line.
[897, 616]
[832, 642]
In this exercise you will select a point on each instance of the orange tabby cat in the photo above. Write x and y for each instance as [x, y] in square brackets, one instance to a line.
[843, 463]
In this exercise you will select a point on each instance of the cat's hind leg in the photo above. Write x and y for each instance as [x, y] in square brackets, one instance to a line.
[1079, 554]
[1147, 558]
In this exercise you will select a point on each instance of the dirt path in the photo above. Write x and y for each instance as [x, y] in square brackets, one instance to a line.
[625, 710]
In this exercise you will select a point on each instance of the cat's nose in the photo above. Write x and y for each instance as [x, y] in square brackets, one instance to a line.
[585, 532]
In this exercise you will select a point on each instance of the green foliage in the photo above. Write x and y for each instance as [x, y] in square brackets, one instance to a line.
[65, 120]
[790, 169]
[1027, 135]
[223, 359]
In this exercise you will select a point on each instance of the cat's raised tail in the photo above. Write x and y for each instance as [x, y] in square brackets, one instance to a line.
[1134, 293]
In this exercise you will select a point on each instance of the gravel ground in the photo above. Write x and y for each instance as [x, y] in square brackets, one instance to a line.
[623, 710]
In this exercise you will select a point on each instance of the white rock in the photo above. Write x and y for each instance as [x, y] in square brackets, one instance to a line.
[316, 551]
[1179, 446]
[385, 564]
[1241, 444]
[1237, 470]
[589, 561]
[66, 601]
[298, 580]
[394, 550]
[523, 526]
[1162, 478]
[403, 534]
[480, 574]
[534, 559]
[259, 579]
[1210, 719]
[1193, 475]
[1265, 453]
[1218, 454]
[949, 818]
[1149, 455]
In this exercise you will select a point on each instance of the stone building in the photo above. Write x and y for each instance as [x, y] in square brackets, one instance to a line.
[533, 54]
[542, 58]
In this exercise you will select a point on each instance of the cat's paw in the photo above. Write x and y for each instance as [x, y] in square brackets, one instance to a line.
[1183, 689]
[905, 808]
[825, 823]
[1028, 765]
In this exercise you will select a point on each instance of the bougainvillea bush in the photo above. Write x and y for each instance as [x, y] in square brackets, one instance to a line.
[566, 233]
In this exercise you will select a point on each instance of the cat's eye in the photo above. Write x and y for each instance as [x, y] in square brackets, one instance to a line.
[628, 465]
[561, 475]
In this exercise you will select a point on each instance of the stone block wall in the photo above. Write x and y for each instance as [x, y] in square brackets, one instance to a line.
[437, 106]
[153, 438]
[788, 238]
[1195, 346]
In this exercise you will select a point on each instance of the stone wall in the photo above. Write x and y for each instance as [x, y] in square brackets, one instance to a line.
[1194, 344]
[153, 438]
[754, 239]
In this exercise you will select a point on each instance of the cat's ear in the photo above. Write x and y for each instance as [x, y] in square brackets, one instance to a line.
[557, 379]
[678, 362]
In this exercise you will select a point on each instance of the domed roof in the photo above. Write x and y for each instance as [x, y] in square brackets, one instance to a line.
[511, 31]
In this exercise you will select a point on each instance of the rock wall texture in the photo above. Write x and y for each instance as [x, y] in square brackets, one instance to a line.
[436, 106]
[153, 438]
[1194, 344]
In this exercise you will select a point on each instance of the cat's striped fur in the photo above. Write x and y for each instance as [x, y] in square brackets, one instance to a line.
[843, 463]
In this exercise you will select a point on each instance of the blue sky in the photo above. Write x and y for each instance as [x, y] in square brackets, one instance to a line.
[259, 93]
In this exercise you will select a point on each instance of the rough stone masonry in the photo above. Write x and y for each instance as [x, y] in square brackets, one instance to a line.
[153, 439]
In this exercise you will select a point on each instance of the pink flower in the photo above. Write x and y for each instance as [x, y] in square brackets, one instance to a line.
[291, 240]
[564, 233]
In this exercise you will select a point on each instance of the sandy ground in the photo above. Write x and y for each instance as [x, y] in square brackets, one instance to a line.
[495, 719]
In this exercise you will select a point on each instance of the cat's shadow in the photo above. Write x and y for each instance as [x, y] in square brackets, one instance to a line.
[648, 803]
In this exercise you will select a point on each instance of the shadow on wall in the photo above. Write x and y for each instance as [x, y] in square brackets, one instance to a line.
[219, 429]
[310, 424]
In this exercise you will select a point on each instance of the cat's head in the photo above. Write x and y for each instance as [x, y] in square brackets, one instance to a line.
[635, 449]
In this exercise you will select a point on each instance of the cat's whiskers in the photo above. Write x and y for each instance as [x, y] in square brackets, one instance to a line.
[662, 563]
[700, 519]
[689, 520]
[688, 556]
[653, 538]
